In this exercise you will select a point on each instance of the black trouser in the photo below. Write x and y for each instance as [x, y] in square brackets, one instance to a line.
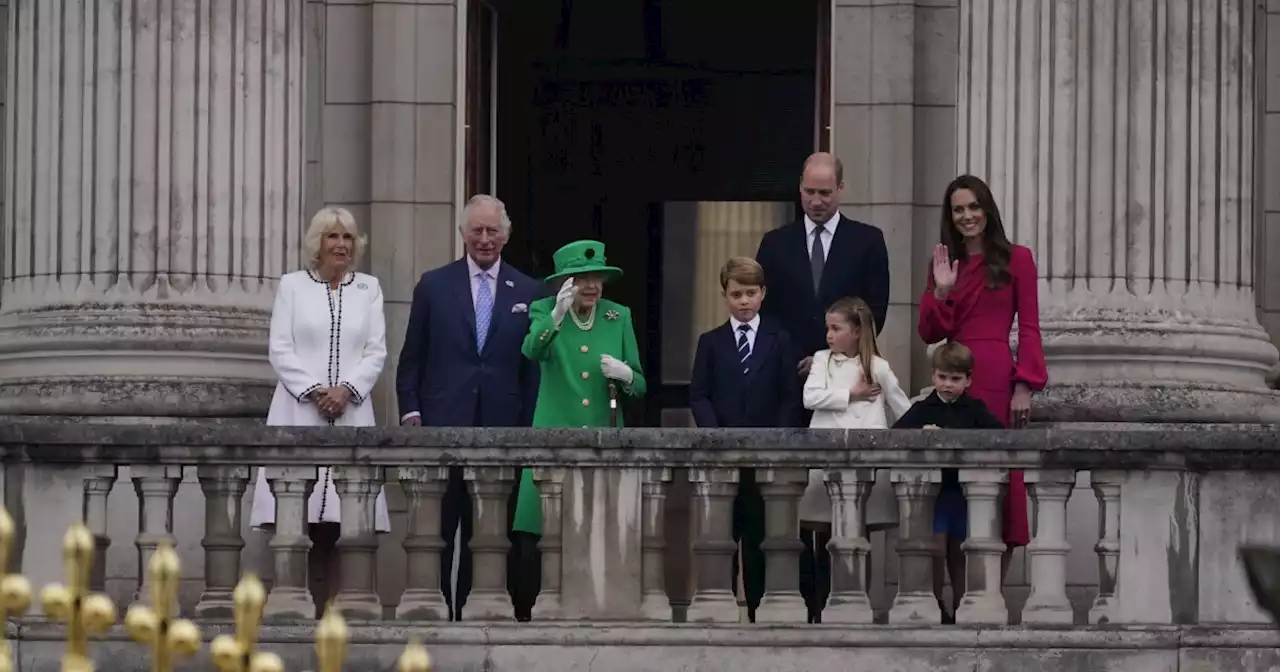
[815, 568]
[524, 566]
[749, 532]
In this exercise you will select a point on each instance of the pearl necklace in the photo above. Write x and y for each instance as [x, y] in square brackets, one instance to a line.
[588, 323]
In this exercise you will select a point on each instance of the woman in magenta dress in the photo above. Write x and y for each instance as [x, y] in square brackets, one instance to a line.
[980, 282]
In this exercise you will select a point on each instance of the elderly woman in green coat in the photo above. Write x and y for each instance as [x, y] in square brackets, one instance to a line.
[585, 345]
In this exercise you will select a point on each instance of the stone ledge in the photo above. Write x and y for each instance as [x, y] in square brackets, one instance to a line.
[1208, 448]
[502, 647]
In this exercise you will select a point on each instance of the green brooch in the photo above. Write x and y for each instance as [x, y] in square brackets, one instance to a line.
[611, 314]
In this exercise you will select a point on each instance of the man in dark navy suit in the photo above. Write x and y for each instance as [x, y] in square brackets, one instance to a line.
[821, 257]
[810, 263]
[461, 364]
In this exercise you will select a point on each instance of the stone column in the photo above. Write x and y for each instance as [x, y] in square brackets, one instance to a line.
[153, 197]
[983, 599]
[423, 489]
[654, 603]
[489, 599]
[357, 489]
[550, 480]
[156, 486]
[1106, 487]
[98, 481]
[849, 490]
[713, 547]
[915, 489]
[290, 596]
[1118, 139]
[223, 488]
[782, 489]
[1048, 602]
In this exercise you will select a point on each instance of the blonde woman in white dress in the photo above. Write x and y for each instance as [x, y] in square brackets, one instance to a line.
[850, 386]
[327, 344]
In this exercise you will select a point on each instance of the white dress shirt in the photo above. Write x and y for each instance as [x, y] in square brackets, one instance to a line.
[474, 271]
[752, 327]
[829, 232]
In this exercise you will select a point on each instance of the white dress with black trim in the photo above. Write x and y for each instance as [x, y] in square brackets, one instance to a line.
[321, 337]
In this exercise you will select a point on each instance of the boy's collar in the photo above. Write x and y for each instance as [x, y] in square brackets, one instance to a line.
[754, 323]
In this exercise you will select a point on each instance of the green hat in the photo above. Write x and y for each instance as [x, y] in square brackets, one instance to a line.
[580, 257]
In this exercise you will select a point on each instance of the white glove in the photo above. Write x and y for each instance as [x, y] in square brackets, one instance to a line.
[564, 301]
[612, 368]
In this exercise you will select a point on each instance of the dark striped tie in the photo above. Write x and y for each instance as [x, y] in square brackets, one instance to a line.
[744, 348]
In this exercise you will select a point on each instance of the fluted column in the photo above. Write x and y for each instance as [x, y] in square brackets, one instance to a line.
[1118, 139]
[153, 196]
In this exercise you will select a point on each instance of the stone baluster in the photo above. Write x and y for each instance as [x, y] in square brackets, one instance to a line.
[550, 482]
[654, 603]
[223, 488]
[1106, 487]
[423, 491]
[983, 600]
[849, 490]
[489, 599]
[713, 546]
[1048, 550]
[98, 481]
[290, 596]
[358, 488]
[156, 485]
[782, 489]
[915, 490]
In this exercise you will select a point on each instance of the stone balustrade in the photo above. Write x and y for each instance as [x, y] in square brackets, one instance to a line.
[1171, 507]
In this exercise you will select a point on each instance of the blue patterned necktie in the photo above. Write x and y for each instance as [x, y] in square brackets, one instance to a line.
[744, 346]
[484, 310]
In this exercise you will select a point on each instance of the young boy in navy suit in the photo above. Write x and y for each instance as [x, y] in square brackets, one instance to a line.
[744, 376]
[949, 407]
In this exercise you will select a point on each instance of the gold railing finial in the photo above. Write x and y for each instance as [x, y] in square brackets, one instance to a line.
[157, 626]
[331, 641]
[15, 591]
[83, 612]
[240, 653]
[414, 658]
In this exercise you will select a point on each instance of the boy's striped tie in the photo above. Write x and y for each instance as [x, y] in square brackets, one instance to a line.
[744, 348]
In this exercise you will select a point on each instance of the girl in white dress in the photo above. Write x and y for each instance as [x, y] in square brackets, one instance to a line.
[849, 387]
[327, 345]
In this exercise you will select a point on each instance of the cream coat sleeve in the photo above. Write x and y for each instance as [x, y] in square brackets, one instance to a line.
[374, 354]
[280, 346]
[816, 395]
[897, 400]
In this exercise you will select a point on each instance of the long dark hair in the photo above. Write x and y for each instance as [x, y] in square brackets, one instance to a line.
[995, 244]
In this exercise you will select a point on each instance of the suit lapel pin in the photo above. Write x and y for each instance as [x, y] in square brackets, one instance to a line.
[509, 283]
[611, 315]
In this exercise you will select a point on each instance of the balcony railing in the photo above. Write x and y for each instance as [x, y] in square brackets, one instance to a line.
[1171, 505]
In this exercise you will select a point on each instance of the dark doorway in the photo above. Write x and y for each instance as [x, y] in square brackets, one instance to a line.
[607, 111]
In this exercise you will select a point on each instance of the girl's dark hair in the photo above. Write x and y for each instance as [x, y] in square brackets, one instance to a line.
[857, 313]
[995, 244]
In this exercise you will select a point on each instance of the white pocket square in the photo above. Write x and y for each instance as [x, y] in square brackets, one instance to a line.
[520, 308]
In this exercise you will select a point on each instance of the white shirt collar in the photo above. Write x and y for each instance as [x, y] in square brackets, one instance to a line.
[736, 323]
[473, 269]
[810, 226]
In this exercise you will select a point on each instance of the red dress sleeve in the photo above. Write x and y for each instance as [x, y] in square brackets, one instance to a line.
[1030, 368]
[937, 318]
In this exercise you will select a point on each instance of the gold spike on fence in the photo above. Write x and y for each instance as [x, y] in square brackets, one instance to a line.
[83, 612]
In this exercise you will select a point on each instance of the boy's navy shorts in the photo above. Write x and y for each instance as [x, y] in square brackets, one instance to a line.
[951, 509]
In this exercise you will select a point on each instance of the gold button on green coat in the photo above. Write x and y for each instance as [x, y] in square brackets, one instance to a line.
[568, 396]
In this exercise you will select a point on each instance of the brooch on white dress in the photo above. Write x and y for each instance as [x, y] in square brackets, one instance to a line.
[611, 314]
[362, 286]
